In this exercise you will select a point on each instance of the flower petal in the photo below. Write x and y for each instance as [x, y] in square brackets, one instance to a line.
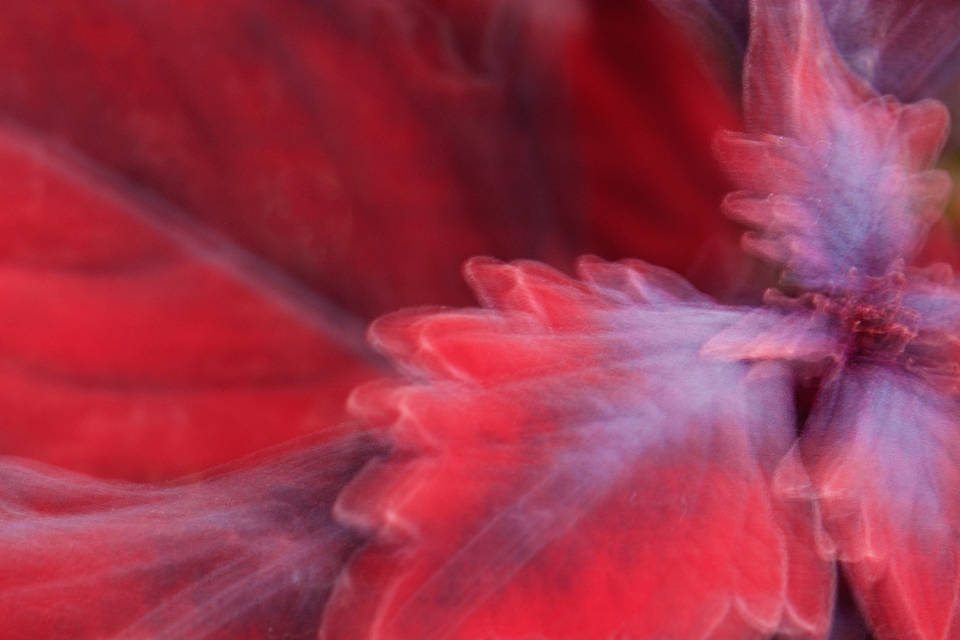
[568, 465]
[883, 449]
[850, 185]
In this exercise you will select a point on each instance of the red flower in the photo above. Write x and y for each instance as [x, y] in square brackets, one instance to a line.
[617, 455]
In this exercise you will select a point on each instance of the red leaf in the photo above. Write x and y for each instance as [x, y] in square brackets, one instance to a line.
[644, 107]
[565, 457]
[369, 148]
[136, 345]
[354, 151]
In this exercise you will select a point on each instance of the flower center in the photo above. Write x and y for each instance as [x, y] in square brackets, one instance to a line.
[878, 325]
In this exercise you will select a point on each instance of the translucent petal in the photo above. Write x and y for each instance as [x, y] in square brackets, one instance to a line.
[569, 465]
[883, 451]
[836, 176]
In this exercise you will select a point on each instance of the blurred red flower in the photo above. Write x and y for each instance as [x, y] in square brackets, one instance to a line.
[207, 203]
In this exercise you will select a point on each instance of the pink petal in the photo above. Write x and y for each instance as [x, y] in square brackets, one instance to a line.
[883, 447]
[837, 176]
[568, 465]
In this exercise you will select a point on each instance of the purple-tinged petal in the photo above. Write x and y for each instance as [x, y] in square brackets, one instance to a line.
[834, 176]
[936, 299]
[799, 336]
[883, 449]
[564, 458]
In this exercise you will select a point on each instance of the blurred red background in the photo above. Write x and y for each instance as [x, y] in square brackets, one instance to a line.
[204, 203]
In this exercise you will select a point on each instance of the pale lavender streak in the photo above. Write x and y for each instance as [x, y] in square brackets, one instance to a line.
[246, 549]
